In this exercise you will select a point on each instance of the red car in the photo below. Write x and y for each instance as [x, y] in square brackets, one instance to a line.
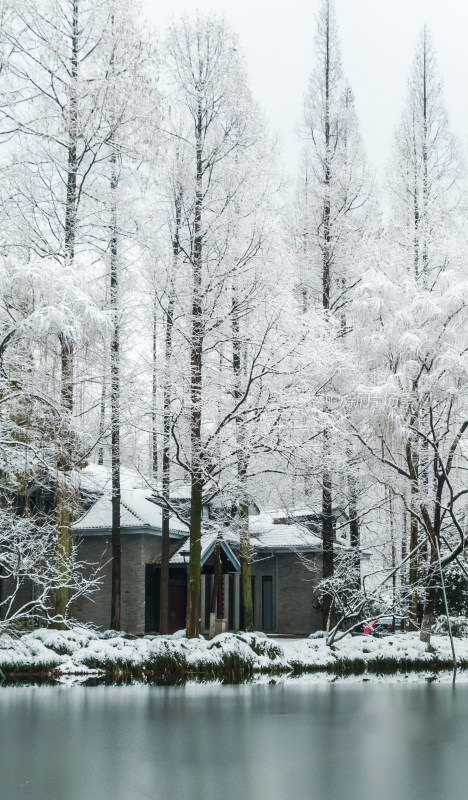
[385, 625]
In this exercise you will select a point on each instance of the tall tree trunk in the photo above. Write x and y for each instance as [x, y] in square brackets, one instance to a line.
[246, 569]
[166, 474]
[328, 564]
[394, 549]
[354, 532]
[196, 351]
[416, 211]
[413, 575]
[115, 408]
[64, 494]
[154, 397]
[102, 423]
[328, 547]
[404, 538]
[242, 509]
[414, 535]
[194, 578]
[425, 192]
[166, 454]
[432, 584]
[434, 570]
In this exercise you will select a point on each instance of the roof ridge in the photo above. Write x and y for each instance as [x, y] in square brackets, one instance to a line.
[132, 511]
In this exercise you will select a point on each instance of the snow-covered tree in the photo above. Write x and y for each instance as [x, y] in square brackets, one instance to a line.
[226, 216]
[332, 220]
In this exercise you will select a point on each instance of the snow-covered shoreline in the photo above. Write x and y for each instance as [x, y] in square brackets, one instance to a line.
[232, 657]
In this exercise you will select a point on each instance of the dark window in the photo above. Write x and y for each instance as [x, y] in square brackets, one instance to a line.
[208, 590]
[231, 602]
[267, 603]
[152, 591]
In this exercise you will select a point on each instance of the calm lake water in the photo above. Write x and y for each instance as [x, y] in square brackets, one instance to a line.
[342, 741]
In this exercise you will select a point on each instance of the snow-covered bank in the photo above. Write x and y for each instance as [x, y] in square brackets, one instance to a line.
[230, 657]
[357, 654]
[163, 659]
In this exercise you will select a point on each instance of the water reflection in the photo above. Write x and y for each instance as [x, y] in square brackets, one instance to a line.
[316, 741]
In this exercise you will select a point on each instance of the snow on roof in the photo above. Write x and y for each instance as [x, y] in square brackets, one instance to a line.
[96, 478]
[136, 511]
[265, 534]
[275, 536]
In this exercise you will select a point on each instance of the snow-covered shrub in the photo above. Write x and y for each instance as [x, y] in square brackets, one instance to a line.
[31, 570]
[262, 646]
[459, 625]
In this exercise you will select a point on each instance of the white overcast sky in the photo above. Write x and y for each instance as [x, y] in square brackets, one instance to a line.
[378, 38]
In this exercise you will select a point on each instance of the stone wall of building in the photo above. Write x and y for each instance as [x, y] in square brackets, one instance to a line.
[137, 551]
[293, 585]
[294, 592]
[297, 595]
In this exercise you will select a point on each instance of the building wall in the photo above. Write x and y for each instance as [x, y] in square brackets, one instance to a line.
[137, 551]
[293, 592]
[297, 595]
[293, 585]
[264, 567]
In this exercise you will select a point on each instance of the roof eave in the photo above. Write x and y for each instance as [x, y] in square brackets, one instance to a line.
[129, 529]
[227, 549]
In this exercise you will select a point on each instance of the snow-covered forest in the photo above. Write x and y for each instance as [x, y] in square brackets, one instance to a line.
[173, 305]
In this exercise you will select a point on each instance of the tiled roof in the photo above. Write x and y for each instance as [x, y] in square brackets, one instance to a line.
[136, 511]
[271, 535]
[265, 534]
[269, 530]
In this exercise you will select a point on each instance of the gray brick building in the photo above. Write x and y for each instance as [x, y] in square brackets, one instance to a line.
[285, 571]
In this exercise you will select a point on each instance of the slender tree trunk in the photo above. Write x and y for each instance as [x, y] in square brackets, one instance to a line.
[413, 575]
[194, 586]
[154, 398]
[243, 506]
[434, 568]
[196, 350]
[328, 547]
[166, 454]
[404, 538]
[425, 187]
[432, 584]
[166, 473]
[64, 518]
[416, 212]
[394, 550]
[115, 409]
[246, 569]
[328, 563]
[420, 267]
[414, 535]
[102, 423]
[354, 532]
[64, 494]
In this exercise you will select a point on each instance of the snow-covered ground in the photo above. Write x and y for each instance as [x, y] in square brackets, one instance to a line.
[84, 651]
[171, 658]
[406, 649]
